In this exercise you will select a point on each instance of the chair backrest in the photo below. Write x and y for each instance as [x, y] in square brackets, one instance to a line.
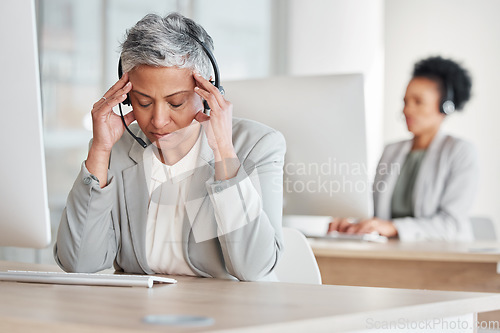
[297, 264]
[483, 229]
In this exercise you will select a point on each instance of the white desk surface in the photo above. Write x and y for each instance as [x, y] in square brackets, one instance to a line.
[428, 251]
[235, 306]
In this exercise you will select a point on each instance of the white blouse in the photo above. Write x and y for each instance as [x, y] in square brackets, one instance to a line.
[167, 195]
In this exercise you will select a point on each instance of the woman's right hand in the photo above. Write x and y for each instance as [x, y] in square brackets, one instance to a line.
[107, 125]
[107, 128]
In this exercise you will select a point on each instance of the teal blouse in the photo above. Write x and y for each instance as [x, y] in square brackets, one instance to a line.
[402, 197]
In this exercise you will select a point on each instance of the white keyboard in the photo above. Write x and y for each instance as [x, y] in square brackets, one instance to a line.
[88, 279]
[334, 235]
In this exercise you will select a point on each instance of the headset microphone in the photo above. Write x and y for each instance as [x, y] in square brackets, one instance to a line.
[216, 83]
[138, 139]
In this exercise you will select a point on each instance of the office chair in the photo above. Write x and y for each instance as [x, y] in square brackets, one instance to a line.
[297, 264]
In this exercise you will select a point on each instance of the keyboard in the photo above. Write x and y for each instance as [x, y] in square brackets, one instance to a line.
[86, 279]
[334, 235]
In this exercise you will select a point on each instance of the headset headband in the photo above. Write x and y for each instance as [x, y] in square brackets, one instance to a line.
[212, 60]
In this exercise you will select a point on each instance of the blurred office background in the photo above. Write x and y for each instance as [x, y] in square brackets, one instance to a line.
[79, 49]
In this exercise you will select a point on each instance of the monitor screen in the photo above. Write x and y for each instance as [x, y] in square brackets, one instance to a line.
[323, 121]
[24, 212]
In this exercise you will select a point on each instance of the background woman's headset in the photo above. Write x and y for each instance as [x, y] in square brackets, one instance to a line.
[216, 83]
[447, 105]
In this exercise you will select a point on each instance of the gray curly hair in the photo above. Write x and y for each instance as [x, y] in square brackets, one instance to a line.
[164, 42]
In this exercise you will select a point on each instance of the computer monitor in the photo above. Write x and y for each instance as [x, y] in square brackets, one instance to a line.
[323, 121]
[24, 211]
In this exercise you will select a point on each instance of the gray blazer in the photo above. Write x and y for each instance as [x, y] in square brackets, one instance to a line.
[232, 228]
[443, 194]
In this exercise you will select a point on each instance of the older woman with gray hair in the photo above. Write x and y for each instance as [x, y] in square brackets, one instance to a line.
[188, 193]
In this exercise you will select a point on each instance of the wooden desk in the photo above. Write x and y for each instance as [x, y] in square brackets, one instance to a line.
[434, 265]
[235, 306]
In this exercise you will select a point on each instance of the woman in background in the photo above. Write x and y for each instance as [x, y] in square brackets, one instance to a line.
[424, 187]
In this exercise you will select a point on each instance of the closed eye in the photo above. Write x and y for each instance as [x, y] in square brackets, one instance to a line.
[144, 105]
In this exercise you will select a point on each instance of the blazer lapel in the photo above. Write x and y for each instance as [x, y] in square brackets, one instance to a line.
[397, 160]
[135, 186]
[197, 199]
[426, 169]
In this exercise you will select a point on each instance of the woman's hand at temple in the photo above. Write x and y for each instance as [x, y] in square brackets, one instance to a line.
[107, 128]
[218, 127]
[347, 225]
[107, 125]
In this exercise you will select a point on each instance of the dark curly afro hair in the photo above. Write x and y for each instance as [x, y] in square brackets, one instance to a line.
[446, 72]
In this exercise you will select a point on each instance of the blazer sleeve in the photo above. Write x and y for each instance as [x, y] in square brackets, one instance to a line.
[385, 169]
[248, 210]
[450, 222]
[86, 239]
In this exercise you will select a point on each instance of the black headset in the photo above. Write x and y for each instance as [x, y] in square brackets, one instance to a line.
[216, 83]
[447, 105]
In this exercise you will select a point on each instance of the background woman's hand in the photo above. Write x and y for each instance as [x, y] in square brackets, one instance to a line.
[107, 126]
[340, 224]
[383, 227]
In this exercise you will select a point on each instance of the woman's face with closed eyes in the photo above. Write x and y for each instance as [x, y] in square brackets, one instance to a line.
[164, 102]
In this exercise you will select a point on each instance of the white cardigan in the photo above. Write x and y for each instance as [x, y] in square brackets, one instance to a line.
[443, 194]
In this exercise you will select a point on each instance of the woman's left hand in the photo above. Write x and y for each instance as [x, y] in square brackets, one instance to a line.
[219, 124]
[218, 127]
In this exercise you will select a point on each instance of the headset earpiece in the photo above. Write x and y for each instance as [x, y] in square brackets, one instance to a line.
[206, 107]
[127, 102]
[120, 74]
[447, 105]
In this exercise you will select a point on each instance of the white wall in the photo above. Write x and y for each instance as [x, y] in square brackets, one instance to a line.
[469, 32]
[339, 36]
